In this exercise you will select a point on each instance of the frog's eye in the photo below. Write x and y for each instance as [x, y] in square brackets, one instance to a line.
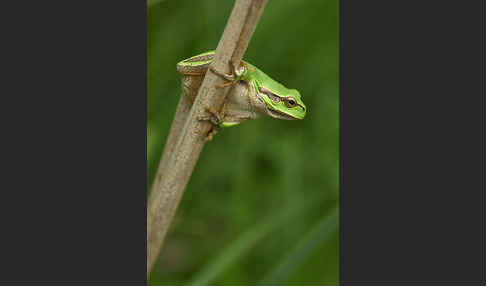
[290, 102]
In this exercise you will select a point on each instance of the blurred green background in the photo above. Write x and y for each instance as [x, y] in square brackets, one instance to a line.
[260, 208]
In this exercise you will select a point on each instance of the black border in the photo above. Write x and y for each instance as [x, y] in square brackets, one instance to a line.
[76, 73]
[410, 121]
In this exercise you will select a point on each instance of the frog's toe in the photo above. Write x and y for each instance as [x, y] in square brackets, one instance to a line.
[229, 77]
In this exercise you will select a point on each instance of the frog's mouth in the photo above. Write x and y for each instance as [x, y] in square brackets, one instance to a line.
[280, 115]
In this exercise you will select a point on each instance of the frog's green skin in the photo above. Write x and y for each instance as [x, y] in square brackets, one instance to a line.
[254, 93]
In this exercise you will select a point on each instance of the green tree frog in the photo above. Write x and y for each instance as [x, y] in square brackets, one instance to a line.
[253, 93]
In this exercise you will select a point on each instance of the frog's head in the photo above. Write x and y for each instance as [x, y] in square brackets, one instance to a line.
[286, 104]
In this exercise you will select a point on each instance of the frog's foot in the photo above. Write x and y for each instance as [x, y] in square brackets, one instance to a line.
[224, 84]
[229, 77]
[215, 119]
[232, 77]
[212, 116]
[211, 133]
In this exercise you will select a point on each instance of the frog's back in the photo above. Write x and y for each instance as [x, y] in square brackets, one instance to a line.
[270, 83]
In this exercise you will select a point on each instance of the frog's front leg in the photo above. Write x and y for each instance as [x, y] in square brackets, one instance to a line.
[216, 118]
[233, 77]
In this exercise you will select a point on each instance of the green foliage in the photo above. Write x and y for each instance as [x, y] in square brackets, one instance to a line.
[306, 246]
[246, 211]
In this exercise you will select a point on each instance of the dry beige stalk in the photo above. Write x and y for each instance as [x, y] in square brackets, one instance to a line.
[186, 143]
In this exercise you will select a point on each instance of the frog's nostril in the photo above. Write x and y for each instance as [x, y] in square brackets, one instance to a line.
[303, 108]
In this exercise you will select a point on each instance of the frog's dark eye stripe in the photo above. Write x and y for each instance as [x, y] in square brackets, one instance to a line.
[270, 95]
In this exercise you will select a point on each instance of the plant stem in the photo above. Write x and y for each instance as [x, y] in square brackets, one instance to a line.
[167, 193]
[190, 86]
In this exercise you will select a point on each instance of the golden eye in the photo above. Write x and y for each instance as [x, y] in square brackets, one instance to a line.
[290, 102]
